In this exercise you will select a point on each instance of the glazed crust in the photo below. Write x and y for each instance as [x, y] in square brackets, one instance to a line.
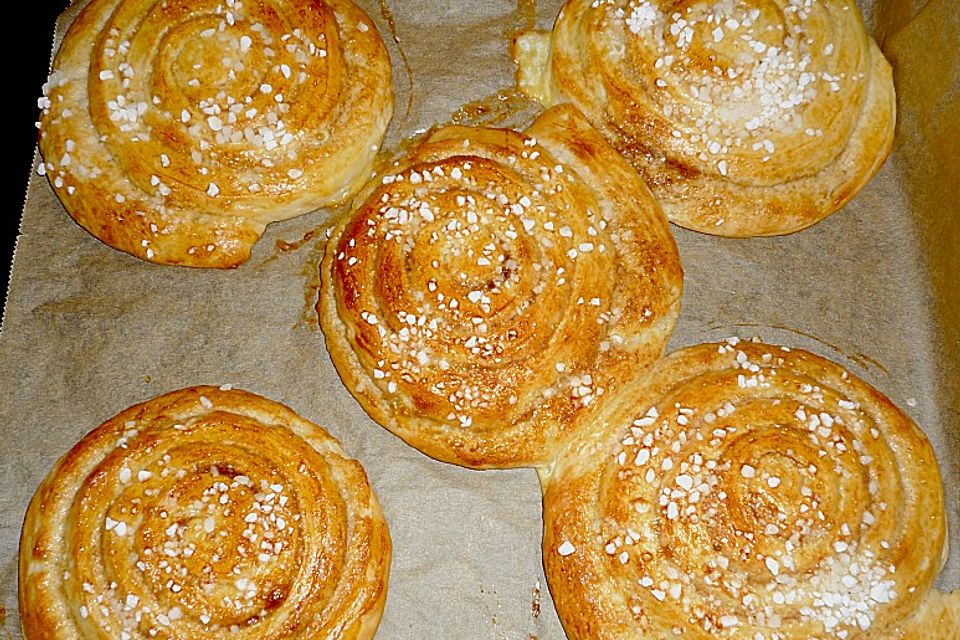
[743, 123]
[177, 131]
[743, 490]
[488, 289]
[204, 513]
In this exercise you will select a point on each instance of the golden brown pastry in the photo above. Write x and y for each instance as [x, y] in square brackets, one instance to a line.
[744, 490]
[746, 119]
[493, 285]
[176, 131]
[204, 513]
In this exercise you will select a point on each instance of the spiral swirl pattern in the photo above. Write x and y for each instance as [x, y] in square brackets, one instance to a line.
[746, 117]
[494, 284]
[176, 131]
[204, 513]
[745, 491]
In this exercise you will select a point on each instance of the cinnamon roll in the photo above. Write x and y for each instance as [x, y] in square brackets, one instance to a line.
[177, 131]
[747, 118]
[743, 490]
[493, 285]
[204, 513]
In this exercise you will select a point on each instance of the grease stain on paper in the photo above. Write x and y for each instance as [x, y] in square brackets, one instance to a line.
[522, 18]
[492, 110]
[387, 15]
[861, 359]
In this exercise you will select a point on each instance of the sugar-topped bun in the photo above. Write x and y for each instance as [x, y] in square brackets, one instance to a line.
[745, 118]
[748, 491]
[493, 285]
[204, 513]
[176, 131]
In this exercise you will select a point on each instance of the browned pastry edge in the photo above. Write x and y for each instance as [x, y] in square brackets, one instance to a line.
[938, 618]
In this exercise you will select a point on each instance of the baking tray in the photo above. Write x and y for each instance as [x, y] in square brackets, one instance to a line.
[88, 331]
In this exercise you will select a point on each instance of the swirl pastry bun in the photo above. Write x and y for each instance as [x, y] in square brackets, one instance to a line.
[176, 131]
[204, 513]
[749, 118]
[743, 490]
[493, 285]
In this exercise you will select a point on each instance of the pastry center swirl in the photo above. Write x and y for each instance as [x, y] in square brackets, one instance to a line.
[748, 489]
[745, 90]
[464, 275]
[213, 85]
[210, 533]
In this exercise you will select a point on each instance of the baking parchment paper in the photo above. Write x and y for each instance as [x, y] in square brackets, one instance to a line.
[88, 330]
